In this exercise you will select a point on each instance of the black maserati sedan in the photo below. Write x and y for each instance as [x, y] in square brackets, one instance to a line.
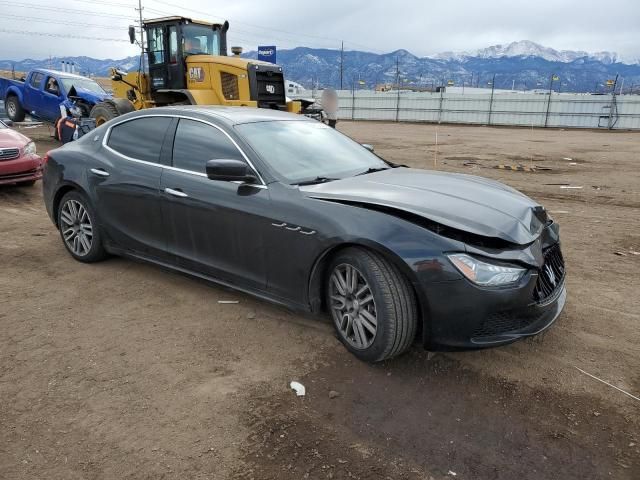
[290, 210]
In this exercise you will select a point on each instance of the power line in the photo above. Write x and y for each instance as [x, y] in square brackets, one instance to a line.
[258, 37]
[295, 37]
[59, 22]
[111, 4]
[34, 6]
[244, 23]
[62, 35]
[261, 27]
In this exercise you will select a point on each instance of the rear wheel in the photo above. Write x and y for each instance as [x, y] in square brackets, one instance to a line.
[79, 229]
[14, 110]
[372, 304]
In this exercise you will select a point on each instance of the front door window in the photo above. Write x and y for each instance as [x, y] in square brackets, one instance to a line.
[156, 46]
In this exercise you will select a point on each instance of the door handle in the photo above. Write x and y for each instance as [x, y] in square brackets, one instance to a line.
[175, 192]
[100, 172]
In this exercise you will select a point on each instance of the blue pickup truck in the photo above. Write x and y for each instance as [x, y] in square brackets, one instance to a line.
[42, 92]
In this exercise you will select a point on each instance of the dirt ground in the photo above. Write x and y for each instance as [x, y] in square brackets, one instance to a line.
[123, 370]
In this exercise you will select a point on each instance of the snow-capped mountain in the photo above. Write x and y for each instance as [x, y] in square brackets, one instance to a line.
[83, 65]
[527, 48]
[521, 65]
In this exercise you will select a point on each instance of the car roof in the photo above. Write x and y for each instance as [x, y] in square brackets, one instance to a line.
[60, 74]
[230, 115]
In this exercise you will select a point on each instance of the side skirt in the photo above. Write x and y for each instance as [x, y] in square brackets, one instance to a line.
[261, 294]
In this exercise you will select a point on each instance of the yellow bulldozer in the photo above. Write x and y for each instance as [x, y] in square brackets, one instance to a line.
[188, 65]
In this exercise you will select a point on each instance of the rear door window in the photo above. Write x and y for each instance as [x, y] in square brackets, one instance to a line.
[36, 80]
[140, 139]
[173, 45]
[196, 143]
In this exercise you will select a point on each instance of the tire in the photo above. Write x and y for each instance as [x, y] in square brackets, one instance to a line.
[103, 112]
[29, 183]
[392, 305]
[14, 110]
[70, 228]
[109, 109]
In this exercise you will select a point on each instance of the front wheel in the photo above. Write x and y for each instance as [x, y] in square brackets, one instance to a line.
[372, 304]
[79, 229]
[107, 110]
[103, 112]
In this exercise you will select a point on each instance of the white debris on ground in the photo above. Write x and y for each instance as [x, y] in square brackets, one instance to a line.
[299, 388]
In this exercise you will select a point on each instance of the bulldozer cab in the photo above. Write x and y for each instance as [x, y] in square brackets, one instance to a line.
[171, 40]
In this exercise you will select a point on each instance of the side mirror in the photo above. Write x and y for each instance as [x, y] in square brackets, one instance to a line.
[132, 34]
[368, 147]
[229, 171]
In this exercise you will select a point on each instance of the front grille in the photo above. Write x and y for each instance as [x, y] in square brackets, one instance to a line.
[229, 86]
[499, 323]
[9, 153]
[551, 275]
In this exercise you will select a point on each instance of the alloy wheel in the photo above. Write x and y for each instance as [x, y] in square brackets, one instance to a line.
[11, 109]
[352, 306]
[76, 227]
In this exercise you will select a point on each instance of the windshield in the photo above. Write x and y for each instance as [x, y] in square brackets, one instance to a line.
[84, 83]
[200, 40]
[301, 151]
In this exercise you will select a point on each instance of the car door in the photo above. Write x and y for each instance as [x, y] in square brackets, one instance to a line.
[33, 93]
[214, 227]
[51, 99]
[126, 180]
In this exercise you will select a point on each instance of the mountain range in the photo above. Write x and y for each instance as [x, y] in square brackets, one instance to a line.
[521, 65]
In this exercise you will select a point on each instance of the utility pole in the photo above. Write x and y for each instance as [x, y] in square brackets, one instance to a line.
[139, 9]
[398, 87]
[341, 63]
[493, 86]
[546, 117]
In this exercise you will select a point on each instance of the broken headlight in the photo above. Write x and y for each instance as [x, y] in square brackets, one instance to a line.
[75, 111]
[483, 273]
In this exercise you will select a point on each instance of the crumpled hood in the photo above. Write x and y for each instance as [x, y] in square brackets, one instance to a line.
[465, 202]
[88, 95]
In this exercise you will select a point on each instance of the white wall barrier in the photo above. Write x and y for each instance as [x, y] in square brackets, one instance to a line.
[518, 109]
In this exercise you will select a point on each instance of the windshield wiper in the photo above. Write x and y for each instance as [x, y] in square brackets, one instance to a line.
[373, 170]
[315, 181]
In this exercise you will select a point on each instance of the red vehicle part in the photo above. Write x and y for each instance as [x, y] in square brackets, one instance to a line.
[19, 163]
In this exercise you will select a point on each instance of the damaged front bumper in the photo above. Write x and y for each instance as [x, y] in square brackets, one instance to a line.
[475, 316]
